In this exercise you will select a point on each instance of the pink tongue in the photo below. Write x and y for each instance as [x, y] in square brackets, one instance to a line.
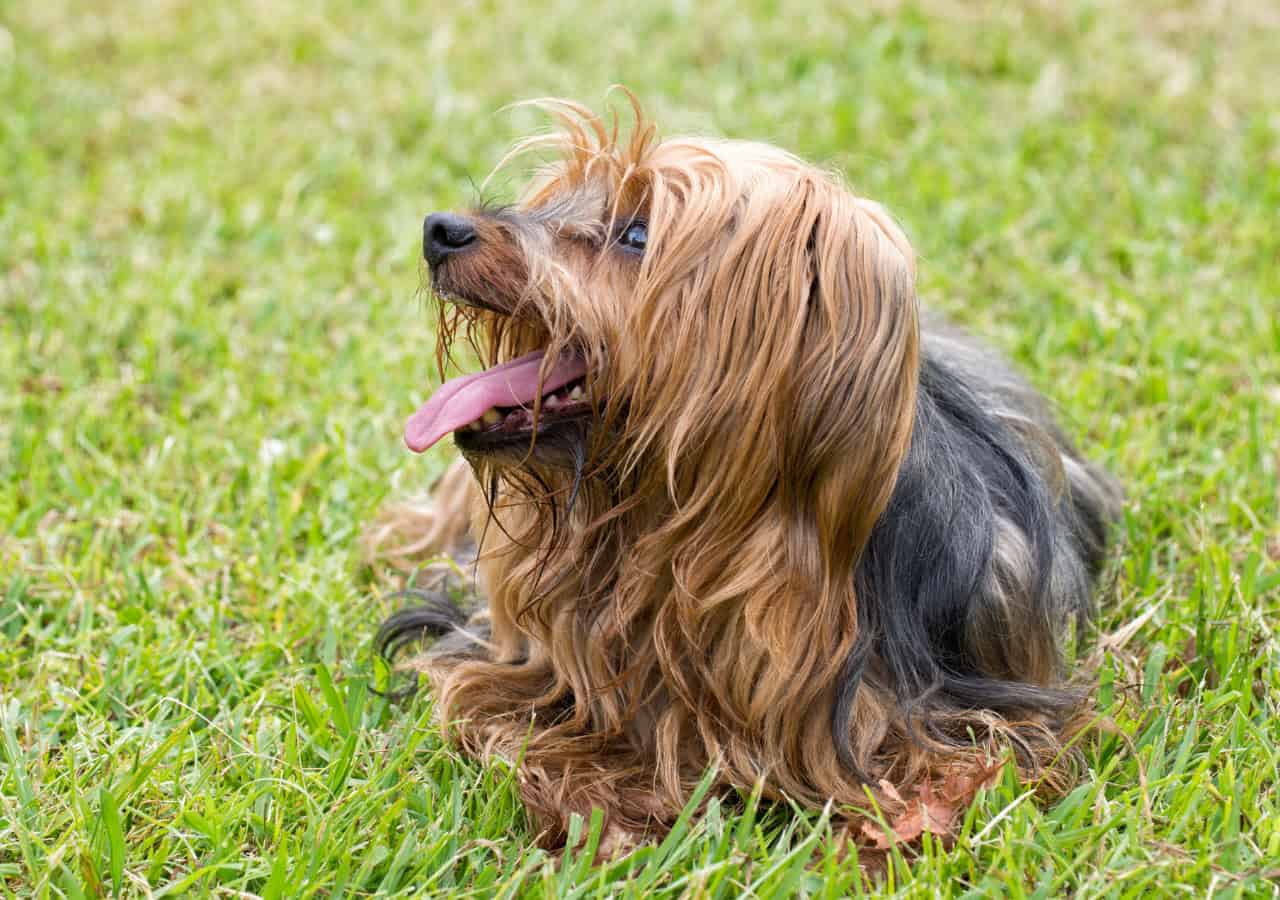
[464, 400]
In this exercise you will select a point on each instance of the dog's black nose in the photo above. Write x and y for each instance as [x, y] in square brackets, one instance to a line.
[445, 233]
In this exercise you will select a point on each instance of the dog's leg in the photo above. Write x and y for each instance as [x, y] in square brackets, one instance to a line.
[555, 789]
[412, 532]
[430, 538]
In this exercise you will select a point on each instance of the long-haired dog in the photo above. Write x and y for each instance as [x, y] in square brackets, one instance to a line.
[737, 506]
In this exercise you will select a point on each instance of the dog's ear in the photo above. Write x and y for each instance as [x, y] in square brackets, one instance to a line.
[852, 388]
[771, 348]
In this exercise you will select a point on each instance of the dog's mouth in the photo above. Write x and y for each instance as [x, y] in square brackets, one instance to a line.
[496, 407]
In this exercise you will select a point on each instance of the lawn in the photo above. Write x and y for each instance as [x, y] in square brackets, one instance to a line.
[214, 324]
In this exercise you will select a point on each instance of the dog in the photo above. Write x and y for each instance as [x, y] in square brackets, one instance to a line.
[734, 505]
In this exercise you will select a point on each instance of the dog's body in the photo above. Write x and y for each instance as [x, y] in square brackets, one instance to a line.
[737, 506]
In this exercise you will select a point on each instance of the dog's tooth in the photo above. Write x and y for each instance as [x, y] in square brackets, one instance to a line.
[491, 416]
[577, 393]
[551, 401]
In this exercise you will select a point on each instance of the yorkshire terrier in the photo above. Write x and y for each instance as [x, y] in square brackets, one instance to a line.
[734, 506]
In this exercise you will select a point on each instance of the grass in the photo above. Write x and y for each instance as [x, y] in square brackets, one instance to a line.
[213, 330]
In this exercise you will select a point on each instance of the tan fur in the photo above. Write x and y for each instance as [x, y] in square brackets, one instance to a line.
[695, 607]
[409, 532]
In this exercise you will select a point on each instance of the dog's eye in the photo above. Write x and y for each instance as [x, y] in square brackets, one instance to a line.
[634, 236]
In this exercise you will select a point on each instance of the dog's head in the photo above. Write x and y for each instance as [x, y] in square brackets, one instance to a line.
[715, 318]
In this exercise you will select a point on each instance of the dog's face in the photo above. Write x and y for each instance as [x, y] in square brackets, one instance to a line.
[715, 315]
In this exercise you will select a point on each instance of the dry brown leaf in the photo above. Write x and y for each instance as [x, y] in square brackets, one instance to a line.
[890, 791]
[935, 812]
[960, 788]
[879, 838]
